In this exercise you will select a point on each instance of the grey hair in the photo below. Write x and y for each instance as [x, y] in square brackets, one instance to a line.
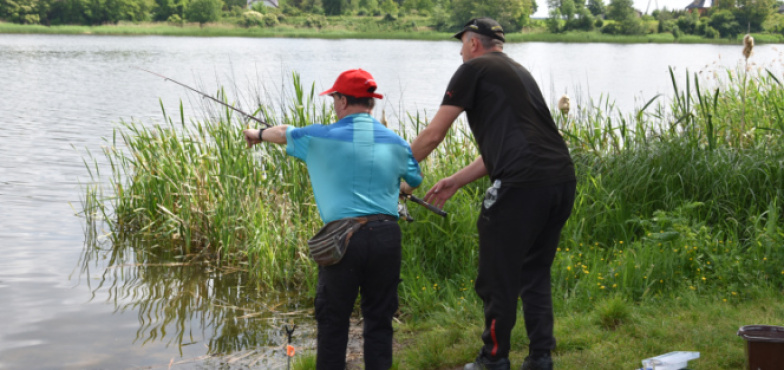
[487, 41]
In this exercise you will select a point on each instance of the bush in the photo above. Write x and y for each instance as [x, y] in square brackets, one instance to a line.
[203, 11]
[251, 18]
[724, 22]
[290, 10]
[270, 20]
[175, 20]
[632, 26]
[687, 23]
[611, 29]
[315, 21]
[666, 26]
[701, 26]
[584, 22]
[711, 33]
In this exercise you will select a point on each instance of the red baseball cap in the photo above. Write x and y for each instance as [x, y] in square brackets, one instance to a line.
[355, 82]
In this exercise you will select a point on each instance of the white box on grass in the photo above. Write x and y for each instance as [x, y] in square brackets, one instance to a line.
[669, 361]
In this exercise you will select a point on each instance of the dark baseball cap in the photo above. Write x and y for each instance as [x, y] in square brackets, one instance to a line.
[483, 26]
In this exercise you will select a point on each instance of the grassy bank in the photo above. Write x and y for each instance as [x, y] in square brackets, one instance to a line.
[354, 28]
[614, 334]
[678, 209]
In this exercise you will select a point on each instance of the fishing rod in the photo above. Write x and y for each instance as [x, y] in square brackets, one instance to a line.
[411, 197]
[207, 96]
[421, 202]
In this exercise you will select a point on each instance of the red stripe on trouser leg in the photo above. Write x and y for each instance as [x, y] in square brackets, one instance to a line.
[495, 341]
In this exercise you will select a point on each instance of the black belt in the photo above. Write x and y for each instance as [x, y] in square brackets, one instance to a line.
[378, 217]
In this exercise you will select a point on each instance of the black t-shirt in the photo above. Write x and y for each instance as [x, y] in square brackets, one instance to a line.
[517, 137]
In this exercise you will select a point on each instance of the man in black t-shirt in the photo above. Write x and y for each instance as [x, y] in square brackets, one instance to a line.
[531, 197]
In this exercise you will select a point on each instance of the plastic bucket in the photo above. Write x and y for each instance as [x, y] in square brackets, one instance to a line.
[764, 346]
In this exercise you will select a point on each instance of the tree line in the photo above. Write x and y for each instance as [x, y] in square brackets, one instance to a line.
[727, 18]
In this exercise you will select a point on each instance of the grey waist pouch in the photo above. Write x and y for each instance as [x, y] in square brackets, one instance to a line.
[329, 245]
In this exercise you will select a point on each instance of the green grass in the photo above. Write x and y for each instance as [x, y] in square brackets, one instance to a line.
[689, 322]
[678, 208]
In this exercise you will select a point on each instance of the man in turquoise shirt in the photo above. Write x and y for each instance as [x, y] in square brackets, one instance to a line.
[355, 166]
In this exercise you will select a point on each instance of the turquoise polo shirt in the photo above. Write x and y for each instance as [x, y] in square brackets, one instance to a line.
[355, 166]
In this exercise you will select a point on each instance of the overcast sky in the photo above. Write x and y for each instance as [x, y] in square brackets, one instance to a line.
[640, 5]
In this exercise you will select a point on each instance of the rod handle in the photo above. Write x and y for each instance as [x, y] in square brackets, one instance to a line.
[427, 205]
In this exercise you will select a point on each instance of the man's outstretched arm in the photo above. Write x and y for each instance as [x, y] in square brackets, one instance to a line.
[276, 134]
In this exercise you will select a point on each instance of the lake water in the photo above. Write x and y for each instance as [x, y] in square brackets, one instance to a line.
[60, 96]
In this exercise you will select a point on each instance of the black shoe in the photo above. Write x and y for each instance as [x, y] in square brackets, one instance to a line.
[483, 363]
[539, 363]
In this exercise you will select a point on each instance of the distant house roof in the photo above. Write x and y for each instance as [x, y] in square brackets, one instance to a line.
[698, 4]
[273, 3]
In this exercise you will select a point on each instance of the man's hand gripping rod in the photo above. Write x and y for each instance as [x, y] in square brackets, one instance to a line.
[208, 97]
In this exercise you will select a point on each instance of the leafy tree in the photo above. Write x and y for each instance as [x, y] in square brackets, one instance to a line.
[19, 11]
[596, 7]
[711, 33]
[620, 10]
[203, 11]
[509, 13]
[774, 23]
[440, 20]
[368, 5]
[164, 9]
[568, 9]
[724, 4]
[554, 21]
[724, 22]
[335, 7]
[752, 13]
[313, 6]
[665, 26]
[585, 20]
[687, 23]
[70, 12]
[425, 5]
[126, 10]
[632, 26]
[231, 4]
[409, 5]
[389, 7]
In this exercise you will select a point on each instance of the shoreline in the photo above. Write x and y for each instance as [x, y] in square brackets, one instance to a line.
[337, 33]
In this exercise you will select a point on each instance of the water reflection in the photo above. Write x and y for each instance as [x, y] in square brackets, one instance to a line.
[190, 302]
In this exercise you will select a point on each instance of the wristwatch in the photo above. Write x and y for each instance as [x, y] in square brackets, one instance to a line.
[260, 131]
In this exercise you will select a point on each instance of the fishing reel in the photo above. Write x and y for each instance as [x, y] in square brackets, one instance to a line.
[402, 210]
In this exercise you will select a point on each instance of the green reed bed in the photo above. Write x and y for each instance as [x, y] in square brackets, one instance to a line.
[679, 196]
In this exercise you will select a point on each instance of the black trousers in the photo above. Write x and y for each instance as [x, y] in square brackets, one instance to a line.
[518, 238]
[371, 267]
